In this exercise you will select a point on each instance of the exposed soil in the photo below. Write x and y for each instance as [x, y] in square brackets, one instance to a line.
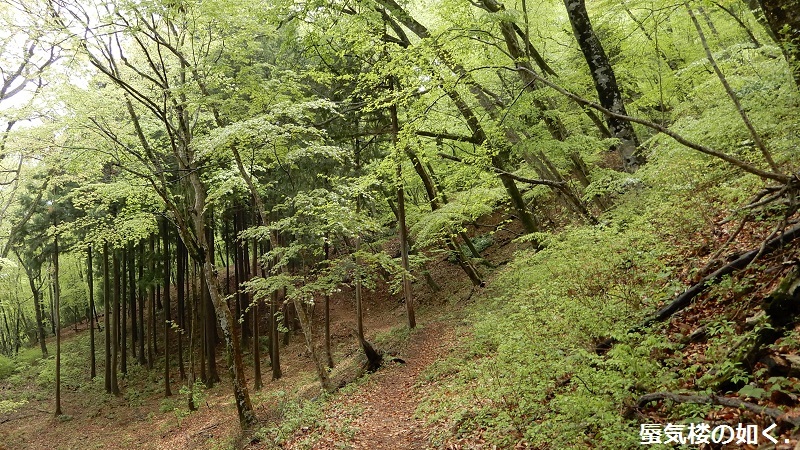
[381, 412]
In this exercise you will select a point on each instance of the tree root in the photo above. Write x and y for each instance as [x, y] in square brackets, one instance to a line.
[374, 357]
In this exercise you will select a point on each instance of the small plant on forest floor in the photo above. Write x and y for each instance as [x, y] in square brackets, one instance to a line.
[222, 444]
[7, 367]
[166, 405]
[293, 416]
[690, 412]
[394, 337]
[198, 392]
[9, 406]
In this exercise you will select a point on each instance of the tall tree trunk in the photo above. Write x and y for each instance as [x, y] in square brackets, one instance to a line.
[182, 255]
[305, 323]
[741, 23]
[227, 324]
[5, 338]
[245, 318]
[226, 239]
[199, 310]
[52, 309]
[107, 317]
[509, 30]
[115, 325]
[38, 310]
[210, 330]
[274, 338]
[166, 262]
[401, 225]
[90, 282]
[57, 301]
[433, 200]
[783, 17]
[123, 311]
[605, 83]
[142, 301]
[132, 296]
[237, 267]
[191, 332]
[257, 382]
[480, 136]
[708, 20]
[359, 295]
[151, 309]
[359, 312]
[328, 354]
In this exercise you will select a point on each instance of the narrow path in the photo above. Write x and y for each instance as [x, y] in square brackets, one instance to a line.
[381, 412]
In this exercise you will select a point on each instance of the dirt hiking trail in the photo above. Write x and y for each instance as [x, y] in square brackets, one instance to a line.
[381, 411]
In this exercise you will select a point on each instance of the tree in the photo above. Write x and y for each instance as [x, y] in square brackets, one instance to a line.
[166, 262]
[107, 317]
[57, 300]
[605, 83]
[28, 50]
[498, 150]
[90, 282]
[401, 224]
[161, 30]
[783, 17]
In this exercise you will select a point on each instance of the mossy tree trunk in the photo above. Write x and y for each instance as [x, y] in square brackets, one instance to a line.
[107, 317]
[605, 82]
[165, 269]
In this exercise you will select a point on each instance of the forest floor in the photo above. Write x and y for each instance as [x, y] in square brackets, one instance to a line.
[380, 407]
[380, 414]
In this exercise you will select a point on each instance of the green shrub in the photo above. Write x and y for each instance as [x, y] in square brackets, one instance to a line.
[529, 373]
[73, 367]
[293, 415]
[7, 367]
[30, 356]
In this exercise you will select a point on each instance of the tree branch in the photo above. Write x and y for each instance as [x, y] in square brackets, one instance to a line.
[554, 184]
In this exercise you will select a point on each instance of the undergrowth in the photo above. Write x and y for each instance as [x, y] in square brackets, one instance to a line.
[530, 373]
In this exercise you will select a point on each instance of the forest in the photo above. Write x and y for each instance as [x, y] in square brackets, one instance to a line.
[399, 224]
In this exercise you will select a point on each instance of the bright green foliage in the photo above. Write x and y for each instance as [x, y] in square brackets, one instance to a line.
[530, 372]
[73, 367]
[293, 415]
[7, 367]
[536, 326]
[9, 406]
